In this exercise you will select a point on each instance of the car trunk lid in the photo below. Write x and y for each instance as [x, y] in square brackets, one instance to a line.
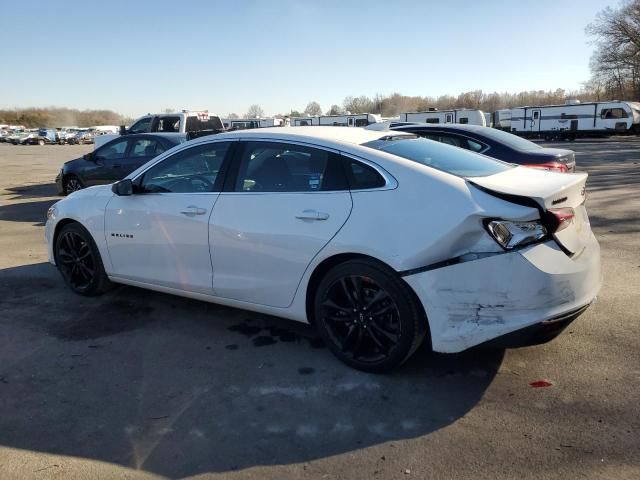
[559, 197]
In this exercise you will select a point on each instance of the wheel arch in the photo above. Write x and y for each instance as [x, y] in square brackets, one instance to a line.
[328, 263]
[62, 223]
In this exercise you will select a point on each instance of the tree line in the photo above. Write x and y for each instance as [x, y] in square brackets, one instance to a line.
[61, 117]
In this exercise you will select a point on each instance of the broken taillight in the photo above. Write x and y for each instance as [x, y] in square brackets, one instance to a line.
[563, 217]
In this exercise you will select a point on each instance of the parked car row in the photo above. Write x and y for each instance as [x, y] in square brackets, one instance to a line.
[50, 136]
[381, 240]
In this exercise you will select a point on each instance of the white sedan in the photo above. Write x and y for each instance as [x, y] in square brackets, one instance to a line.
[381, 240]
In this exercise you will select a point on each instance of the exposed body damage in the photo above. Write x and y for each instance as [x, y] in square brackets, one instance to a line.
[474, 301]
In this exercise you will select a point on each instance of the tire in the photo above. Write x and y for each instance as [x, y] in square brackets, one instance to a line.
[78, 260]
[71, 184]
[372, 341]
[41, 142]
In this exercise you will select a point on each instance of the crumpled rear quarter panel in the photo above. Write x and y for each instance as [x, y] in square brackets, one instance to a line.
[472, 302]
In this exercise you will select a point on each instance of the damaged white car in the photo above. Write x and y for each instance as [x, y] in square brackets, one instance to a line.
[380, 240]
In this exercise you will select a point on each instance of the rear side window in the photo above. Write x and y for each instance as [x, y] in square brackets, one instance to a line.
[362, 176]
[169, 124]
[284, 167]
[145, 147]
[141, 126]
[455, 161]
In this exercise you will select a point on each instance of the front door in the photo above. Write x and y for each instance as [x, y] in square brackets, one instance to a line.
[286, 203]
[534, 124]
[106, 162]
[160, 235]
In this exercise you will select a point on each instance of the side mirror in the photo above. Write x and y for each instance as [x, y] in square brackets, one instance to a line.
[123, 188]
[89, 157]
[123, 130]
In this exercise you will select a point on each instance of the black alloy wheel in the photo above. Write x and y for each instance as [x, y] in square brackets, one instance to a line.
[78, 260]
[72, 184]
[368, 316]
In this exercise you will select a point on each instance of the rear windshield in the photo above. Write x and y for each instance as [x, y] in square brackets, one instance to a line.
[454, 160]
[510, 140]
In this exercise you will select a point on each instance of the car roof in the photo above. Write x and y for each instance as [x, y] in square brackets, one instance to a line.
[447, 126]
[344, 135]
[168, 135]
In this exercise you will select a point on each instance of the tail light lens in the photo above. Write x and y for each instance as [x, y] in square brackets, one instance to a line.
[550, 166]
[563, 217]
[510, 234]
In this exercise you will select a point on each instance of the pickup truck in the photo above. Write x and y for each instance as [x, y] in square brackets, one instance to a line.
[196, 123]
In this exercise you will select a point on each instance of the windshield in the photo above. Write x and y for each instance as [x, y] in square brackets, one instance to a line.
[454, 160]
[510, 140]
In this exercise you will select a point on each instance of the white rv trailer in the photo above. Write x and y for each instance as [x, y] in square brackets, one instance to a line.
[501, 119]
[245, 123]
[346, 120]
[462, 115]
[349, 120]
[303, 121]
[575, 119]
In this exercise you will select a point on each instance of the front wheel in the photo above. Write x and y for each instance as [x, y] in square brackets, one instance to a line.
[78, 260]
[368, 316]
[72, 184]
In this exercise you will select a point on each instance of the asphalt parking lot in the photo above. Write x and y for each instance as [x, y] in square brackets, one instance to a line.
[137, 384]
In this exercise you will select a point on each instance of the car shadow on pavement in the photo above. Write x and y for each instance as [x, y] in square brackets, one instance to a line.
[30, 212]
[180, 387]
[39, 190]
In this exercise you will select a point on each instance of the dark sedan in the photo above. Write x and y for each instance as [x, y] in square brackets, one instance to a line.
[494, 143]
[114, 160]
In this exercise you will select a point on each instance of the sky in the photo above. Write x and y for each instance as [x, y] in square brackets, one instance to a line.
[145, 56]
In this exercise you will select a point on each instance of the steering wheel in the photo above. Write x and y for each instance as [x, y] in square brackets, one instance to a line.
[208, 186]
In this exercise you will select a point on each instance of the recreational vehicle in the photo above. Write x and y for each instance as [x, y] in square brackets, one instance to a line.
[463, 116]
[575, 119]
[501, 119]
[347, 120]
[245, 123]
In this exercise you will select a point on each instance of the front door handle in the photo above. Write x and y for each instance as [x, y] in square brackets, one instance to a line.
[192, 211]
[312, 215]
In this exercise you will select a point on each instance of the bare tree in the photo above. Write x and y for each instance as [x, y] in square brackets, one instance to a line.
[255, 111]
[615, 64]
[313, 109]
[335, 110]
[232, 116]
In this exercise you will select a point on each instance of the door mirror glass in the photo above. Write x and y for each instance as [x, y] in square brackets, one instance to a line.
[123, 187]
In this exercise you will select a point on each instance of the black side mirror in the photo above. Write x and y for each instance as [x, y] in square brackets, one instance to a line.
[123, 187]
[89, 157]
[123, 130]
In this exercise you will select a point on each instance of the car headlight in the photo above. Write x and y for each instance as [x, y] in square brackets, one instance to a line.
[515, 234]
[52, 212]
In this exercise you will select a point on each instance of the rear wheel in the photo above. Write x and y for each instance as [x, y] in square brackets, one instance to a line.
[72, 184]
[79, 262]
[40, 142]
[368, 316]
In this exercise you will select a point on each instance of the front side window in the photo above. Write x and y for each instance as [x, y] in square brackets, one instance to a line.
[141, 126]
[455, 161]
[282, 167]
[113, 150]
[145, 147]
[194, 170]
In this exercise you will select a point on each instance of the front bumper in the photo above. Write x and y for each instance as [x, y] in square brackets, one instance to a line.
[472, 302]
[59, 185]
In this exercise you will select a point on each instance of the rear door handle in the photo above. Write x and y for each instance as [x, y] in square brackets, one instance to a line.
[192, 211]
[312, 215]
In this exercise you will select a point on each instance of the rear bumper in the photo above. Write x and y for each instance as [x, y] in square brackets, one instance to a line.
[539, 333]
[473, 302]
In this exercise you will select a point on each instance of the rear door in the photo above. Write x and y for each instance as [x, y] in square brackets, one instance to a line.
[284, 203]
[141, 150]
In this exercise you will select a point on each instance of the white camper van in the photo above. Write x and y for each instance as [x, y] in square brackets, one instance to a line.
[245, 123]
[346, 120]
[575, 119]
[463, 116]
[501, 119]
